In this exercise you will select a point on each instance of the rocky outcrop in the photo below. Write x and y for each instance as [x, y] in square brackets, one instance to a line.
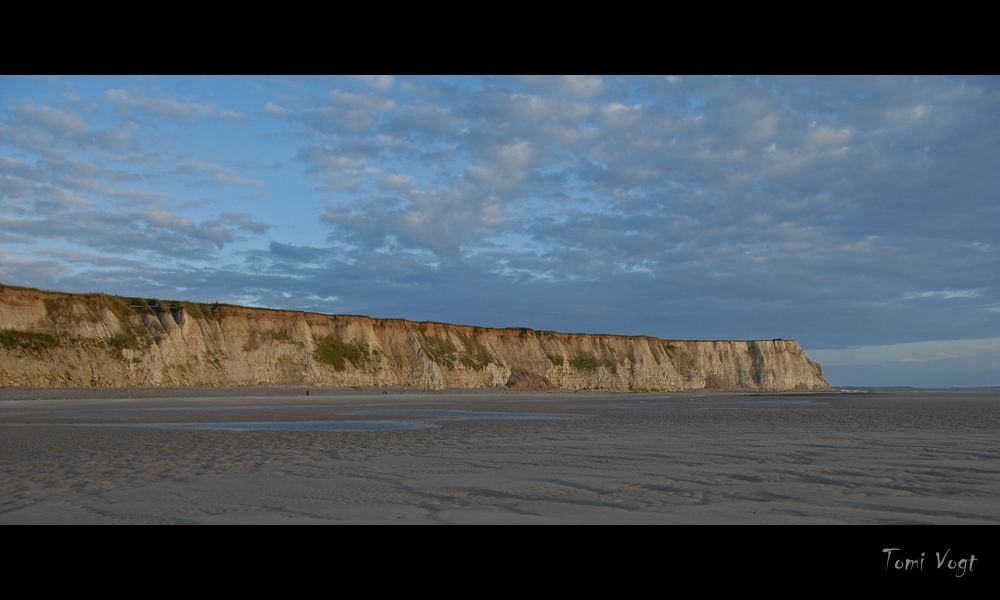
[54, 339]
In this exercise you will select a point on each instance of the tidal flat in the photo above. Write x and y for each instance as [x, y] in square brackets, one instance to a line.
[275, 455]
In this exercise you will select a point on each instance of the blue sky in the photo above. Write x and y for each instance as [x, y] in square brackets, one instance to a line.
[857, 215]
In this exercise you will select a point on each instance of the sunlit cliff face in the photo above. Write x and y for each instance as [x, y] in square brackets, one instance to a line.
[61, 339]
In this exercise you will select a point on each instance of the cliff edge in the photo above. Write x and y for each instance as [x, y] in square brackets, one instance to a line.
[56, 339]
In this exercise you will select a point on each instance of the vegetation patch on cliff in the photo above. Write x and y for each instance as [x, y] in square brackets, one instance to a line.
[589, 363]
[258, 338]
[584, 363]
[122, 309]
[438, 350]
[334, 352]
[445, 353]
[122, 342]
[26, 340]
[476, 356]
[60, 309]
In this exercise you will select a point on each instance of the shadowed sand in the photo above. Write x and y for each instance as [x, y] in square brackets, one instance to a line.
[467, 457]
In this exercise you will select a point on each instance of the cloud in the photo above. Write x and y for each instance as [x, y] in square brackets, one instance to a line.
[345, 112]
[69, 169]
[116, 139]
[231, 115]
[26, 138]
[27, 271]
[245, 222]
[382, 83]
[137, 197]
[529, 106]
[442, 221]
[233, 179]
[399, 183]
[825, 136]
[15, 187]
[369, 101]
[52, 132]
[58, 122]
[87, 259]
[278, 111]
[340, 169]
[573, 85]
[128, 231]
[580, 85]
[62, 196]
[183, 112]
[619, 115]
[908, 114]
[297, 254]
[218, 174]
[21, 169]
[946, 294]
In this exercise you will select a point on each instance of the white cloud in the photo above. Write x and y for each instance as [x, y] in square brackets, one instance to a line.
[382, 83]
[580, 85]
[370, 101]
[399, 182]
[388, 140]
[19, 168]
[514, 156]
[137, 197]
[164, 219]
[26, 138]
[234, 179]
[947, 294]
[65, 196]
[14, 187]
[245, 222]
[25, 271]
[279, 111]
[825, 136]
[908, 114]
[52, 120]
[231, 115]
[548, 107]
[340, 162]
[620, 115]
[161, 107]
[219, 174]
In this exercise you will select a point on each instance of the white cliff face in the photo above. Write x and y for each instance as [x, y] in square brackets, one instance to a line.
[96, 340]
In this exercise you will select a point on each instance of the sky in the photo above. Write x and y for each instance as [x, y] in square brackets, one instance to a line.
[859, 216]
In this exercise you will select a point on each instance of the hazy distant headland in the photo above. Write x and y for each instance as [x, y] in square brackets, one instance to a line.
[58, 339]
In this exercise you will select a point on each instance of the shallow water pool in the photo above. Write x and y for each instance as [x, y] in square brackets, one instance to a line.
[466, 414]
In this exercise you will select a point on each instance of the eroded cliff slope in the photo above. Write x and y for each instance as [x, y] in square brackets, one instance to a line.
[54, 339]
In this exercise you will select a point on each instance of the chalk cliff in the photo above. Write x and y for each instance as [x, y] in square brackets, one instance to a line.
[55, 339]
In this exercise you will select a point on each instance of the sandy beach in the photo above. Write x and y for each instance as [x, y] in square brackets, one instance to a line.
[275, 455]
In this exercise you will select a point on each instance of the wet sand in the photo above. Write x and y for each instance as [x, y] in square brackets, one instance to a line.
[274, 455]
